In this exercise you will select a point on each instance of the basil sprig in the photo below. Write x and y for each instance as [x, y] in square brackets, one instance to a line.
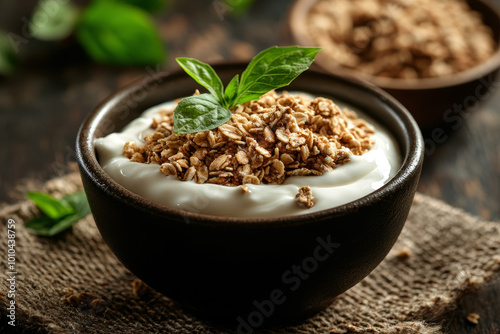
[57, 214]
[273, 68]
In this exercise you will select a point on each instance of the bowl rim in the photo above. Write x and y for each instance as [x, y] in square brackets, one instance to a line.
[411, 161]
[297, 17]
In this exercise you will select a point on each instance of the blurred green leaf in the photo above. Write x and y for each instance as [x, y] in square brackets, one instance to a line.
[8, 59]
[53, 20]
[151, 6]
[238, 7]
[117, 33]
[78, 201]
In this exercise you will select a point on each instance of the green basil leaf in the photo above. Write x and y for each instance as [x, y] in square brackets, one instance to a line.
[199, 113]
[52, 207]
[67, 222]
[53, 20]
[46, 225]
[273, 68]
[204, 74]
[151, 6]
[78, 201]
[41, 225]
[8, 59]
[117, 33]
[231, 91]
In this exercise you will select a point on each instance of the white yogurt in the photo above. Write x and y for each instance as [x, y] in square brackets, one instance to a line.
[355, 179]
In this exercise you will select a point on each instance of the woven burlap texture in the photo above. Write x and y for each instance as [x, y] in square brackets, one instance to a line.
[449, 252]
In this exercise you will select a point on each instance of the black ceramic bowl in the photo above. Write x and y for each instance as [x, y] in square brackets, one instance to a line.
[254, 268]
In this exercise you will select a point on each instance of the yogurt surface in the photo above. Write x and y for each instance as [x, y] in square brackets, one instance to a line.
[350, 181]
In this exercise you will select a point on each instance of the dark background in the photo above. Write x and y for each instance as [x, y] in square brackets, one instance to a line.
[56, 86]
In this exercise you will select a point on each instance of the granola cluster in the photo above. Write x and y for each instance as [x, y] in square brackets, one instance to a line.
[305, 197]
[265, 141]
[401, 38]
[83, 300]
[139, 288]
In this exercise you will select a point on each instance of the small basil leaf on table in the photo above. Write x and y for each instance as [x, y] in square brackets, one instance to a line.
[68, 221]
[51, 206]
[118, 33]
[79, 202]
[48, 226]
[40, 225]
[203, 74]
[199, 113]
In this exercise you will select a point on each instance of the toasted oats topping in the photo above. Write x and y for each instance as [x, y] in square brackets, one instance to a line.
[265, 141]
[305, 197]
[139, 288]
[473, 318]
[401, 38]
[403, 253]
[83, 300]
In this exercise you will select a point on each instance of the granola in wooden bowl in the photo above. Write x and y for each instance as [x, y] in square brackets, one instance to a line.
[439, 58]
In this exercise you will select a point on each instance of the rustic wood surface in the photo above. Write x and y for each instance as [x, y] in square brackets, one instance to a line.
[43, 104]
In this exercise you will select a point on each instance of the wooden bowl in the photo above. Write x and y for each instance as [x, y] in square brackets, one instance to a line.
[242, 269]
[435, 101]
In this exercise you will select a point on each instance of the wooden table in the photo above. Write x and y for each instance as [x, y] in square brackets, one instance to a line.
[43, 104]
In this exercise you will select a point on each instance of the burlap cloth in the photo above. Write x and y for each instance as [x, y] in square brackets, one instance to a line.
[441, 253]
